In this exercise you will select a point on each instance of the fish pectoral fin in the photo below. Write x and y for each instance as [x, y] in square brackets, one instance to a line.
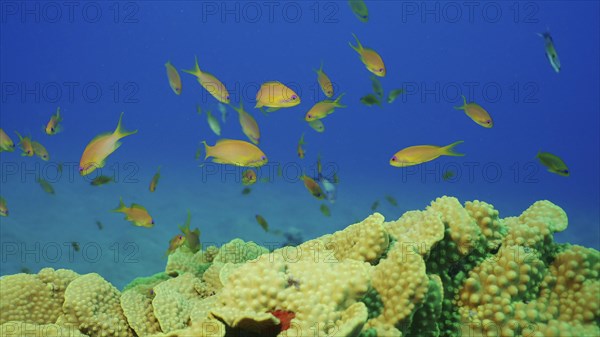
[272, 109]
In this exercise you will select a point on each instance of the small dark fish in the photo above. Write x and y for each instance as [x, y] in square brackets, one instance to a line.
[59, 168]
[448, 175]
[46, 186]
[554, 163]
[100, 225]
[335, 179]
[262, 222]
[394, 94]
[246, 191]
[75, 246]
[377, 88]
[370, 100]
[25, 270]
[375, 205]
[154, 180]
[101, 180]
[391, 200]
[325, 210]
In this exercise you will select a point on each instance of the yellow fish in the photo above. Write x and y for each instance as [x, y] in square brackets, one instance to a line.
[476, 113]
[6, 144]
[192, 237]
[25, 143]
[248, 123]
[317, 125]
[370, 58]
[3, 207]
[300, 149]
[248, 177]
[53, 127]
[419, 154]
[40, 151]
[135, 214]
[100, 148]
[324, 82]
[554, 163]
[313, 187]
[213, 123]
[174, 79]
[154, 180]
[360, 9]
[211, 84]
[551, 53]
[322, 109]
[235, 152]
[276, 95]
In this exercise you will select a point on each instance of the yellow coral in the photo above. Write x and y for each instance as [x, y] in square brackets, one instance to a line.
[93, 306]
[463, 230]
[363, 241]
[174, 301]
[183, 260]
[22, 329]
[418, 229]
[34, 298]
[137, 307]
[319, 292]
[238, 251]
[402, 283]
[488, 221]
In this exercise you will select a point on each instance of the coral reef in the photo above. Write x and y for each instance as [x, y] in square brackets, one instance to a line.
[448, 270]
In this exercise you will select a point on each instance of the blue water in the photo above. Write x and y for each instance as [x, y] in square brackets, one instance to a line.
[106, 57]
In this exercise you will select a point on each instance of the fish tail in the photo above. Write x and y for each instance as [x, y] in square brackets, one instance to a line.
[206, 150]
[58, 117]
[121, 206]
[20, 137]
[301, 141]
[120, 130]
[359, 46]
[449, 150]
[464, 104]
[196, 71]
[337, 101]
[320, 68]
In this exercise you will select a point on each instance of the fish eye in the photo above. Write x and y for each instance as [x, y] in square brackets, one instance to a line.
[394, 158]
[52, 129]
[380, 70]
[263, 157]
[294, 97]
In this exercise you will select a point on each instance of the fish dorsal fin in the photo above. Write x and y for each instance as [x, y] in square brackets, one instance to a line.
[137, 206]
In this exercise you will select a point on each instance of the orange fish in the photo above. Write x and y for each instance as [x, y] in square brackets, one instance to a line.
[40, 151]
[419, 154]
[136, 214]
[476, 113]
[26, 146]
[248, 123]
[370, 58]
[100, 148]
[235, 152]
[154, 180]
[210, 83]
[313, 187]
[321, 109]
[324, 82]
[276, 95]
[174, 79]
[300, 149]
[176, 242]
[53, 127]
[6, 144]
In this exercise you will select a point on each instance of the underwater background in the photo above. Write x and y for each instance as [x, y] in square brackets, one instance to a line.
[95, 60]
